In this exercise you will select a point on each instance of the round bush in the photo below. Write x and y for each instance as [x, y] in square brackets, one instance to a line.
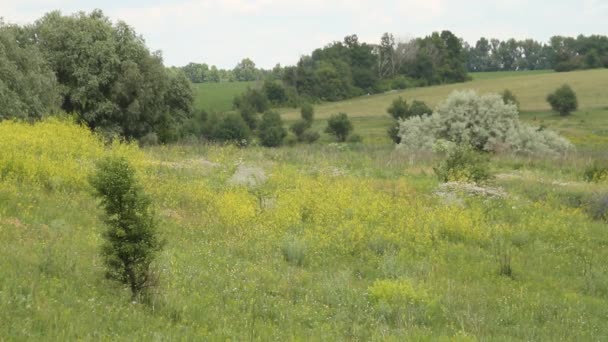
[563, 100]
[485, 123]
[339, 126]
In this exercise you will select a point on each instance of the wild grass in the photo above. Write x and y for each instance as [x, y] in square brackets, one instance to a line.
[335, 242]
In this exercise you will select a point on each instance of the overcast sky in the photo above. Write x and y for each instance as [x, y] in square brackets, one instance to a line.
[222, 32]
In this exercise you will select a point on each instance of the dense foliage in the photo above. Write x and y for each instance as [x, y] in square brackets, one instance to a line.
[28, 87]
[463, 164]
[485, 122]
[271, 130]
[104, 74]
[561, 54]
[563, 100]
[350, 68]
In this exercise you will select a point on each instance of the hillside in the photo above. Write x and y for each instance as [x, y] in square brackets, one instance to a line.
[531, 90]
[217, 97]
[587, 126]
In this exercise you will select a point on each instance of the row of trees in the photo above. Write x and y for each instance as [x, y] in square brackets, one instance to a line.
[245, 70]
[350, 68]
[100, 72]
[560, 54]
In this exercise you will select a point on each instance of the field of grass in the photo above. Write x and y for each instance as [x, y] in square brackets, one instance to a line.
[531, 88]
[217, 97]
[314, 242]
[591, 87]
[501, 74]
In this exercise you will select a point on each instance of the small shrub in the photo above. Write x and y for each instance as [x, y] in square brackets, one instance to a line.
[131, 241]
[393, 132]
[307, 113]
[294, 251]
[291, 139]
[563, 100]
[596, 172]
[149, 139]
[339, 126]
[309, 136]
[354, 139]
[275, 92]
[399, 109]
[419, 108]
[509, 98]
[250, 116]
[253, 98]
[401, 82]
[299, 127]
[463, 164]
[598, 207]
[231, 127]
[271, 130]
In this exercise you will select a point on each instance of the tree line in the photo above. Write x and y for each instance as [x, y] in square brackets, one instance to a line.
[560, 54]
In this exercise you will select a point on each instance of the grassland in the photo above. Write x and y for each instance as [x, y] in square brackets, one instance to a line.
[531, 88]
[502, 74]
[217, 97]
[337, 242]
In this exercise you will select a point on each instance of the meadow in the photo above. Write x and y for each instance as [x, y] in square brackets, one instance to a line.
[316, 242]
[217, 97]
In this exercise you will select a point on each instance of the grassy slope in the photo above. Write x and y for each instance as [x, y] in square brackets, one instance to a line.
[370, 118]
[217, 97]
[224, 281]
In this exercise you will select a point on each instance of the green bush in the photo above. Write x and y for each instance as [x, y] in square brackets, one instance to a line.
[291, 140]
[563, 100]
[597, 207]
[299, 127]
[250, 116]
[596, 172]
[400, 110]
[509, 98]
[271, 130]
[309, 136]
[231, 127]
[339, 126]
[463, 164]
[307, 113]
[275, 92]
[254, 98]
[354, 139]
[294, 251]
[131, 241]
[419, 108]
[484, 122]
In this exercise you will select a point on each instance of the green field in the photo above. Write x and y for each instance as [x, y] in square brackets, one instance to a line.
[322, 242]
[217, 97]
[371, 120]
[501, 74]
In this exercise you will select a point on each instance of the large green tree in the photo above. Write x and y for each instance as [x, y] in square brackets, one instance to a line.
[108, 77]
[28, 88]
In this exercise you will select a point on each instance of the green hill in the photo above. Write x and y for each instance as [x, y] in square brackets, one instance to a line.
[217, 97]
[587, 126]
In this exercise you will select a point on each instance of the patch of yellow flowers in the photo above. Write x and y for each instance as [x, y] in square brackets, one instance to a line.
[54, 153]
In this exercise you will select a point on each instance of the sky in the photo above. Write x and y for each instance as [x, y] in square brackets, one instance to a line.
[222, 32]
